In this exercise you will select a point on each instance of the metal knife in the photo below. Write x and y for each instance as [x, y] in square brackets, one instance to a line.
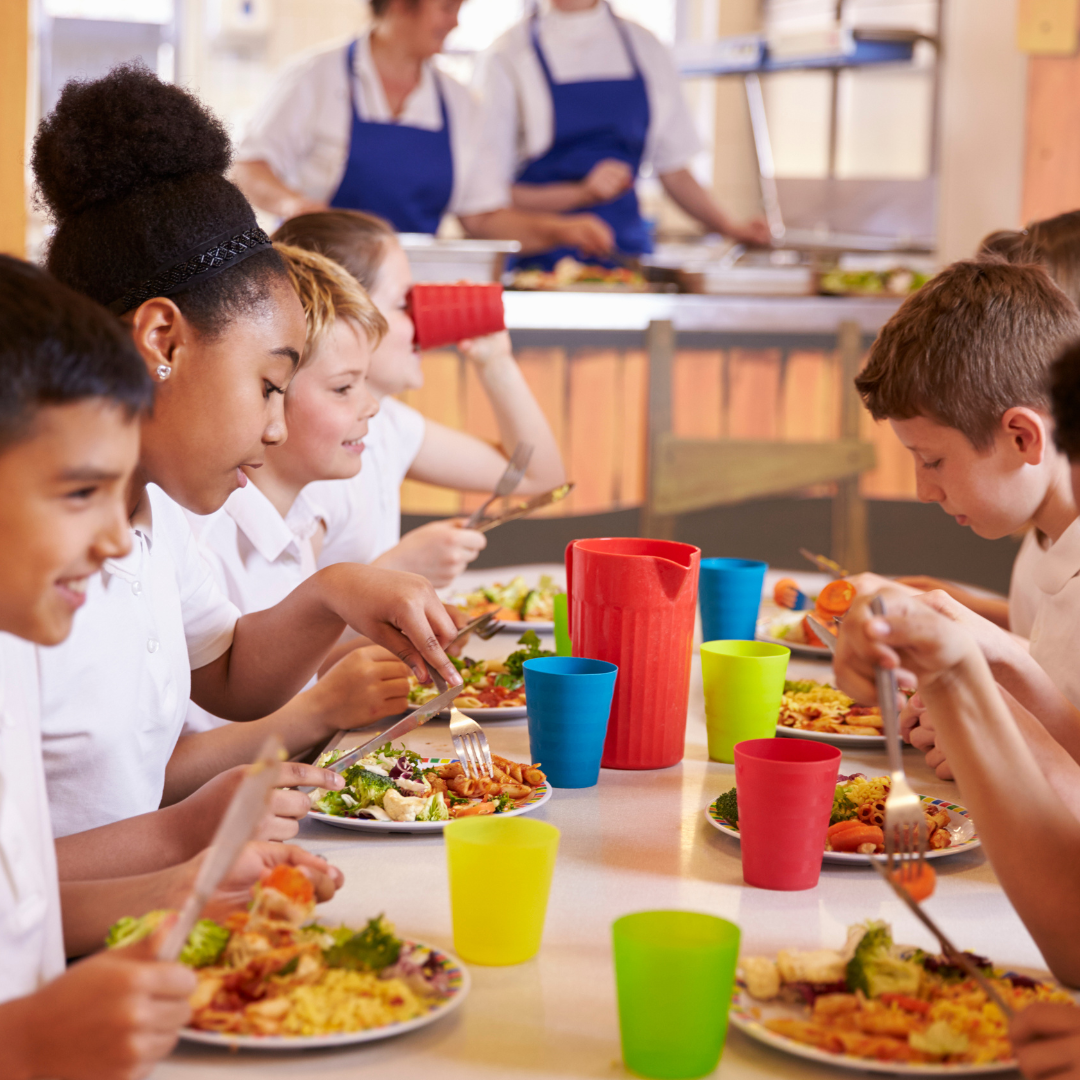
[526, 506]
[402, 727]
[824, 564]
[242, 816]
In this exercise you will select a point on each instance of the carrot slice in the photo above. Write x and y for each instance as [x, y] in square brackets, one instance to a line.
[290, 881]
[853, 839]
[843, 826]
[787, 594]
[834, 600]
[919, 880]
[811, 637]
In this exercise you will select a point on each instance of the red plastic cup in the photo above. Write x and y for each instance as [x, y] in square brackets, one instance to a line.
[786, 789]
[444, 314]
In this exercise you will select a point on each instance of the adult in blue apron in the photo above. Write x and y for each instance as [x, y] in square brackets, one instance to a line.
[594, 120]
[404, 174]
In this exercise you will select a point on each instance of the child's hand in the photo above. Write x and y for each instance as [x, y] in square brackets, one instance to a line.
[1046, 1040]
[996, 644]
[487, 349]
[439, 550]
[365, 685]
[110, 1017]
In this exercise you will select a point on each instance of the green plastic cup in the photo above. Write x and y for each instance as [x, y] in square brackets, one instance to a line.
[494, 924]
[674, 972]
[744, 682]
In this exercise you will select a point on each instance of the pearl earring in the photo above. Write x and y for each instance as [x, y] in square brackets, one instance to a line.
[163, 371]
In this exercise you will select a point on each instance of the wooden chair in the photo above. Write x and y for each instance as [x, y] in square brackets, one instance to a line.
[683, 475]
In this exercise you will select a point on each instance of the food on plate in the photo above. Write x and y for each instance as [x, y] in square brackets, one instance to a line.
[858, 814]
[568, 272]
[919, 880]
[787, 594]
[516, 602]
[899, 281]
[807, 705]
[833, 602]
[880, 1001]
[274, 973]
[489, 684]
[395, 784]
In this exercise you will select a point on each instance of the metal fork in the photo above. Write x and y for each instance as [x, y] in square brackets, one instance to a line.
[483, 626]
[471, 745]
[508, 482]
[905, 823]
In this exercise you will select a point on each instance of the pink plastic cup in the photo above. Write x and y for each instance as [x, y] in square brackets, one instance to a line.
[444, 314]
[786, 789]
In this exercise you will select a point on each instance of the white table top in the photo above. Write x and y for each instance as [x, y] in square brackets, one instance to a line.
[637, 841]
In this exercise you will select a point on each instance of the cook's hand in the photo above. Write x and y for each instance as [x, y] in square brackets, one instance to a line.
[754, 233]
[1046, 1040]
[489, 349]
[301, 204]
[605, 181]
[256, 861]
[587, 233]
[439, 550]
[120, 1013]
[367, 684]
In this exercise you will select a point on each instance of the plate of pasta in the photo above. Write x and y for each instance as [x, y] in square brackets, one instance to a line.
[271, 978]
[394, 790]
[877, 1006]
[817, 711]
[790, 628]
[855, 832]
[517, 606]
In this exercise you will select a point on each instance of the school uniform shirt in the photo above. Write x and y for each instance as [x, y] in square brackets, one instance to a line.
[31, 934]
[1024, 594]
[115, 693]
[302, 131]
[363, 514]
[518, 120]
[1055, 635]
[257, 557]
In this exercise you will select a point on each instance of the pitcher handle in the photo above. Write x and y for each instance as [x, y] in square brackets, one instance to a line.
[568, 559]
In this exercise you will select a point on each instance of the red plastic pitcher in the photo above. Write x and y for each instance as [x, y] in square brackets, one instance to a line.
[632, 603]
[444, 314]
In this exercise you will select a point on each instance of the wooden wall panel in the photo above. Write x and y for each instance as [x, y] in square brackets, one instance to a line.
[631, 442]
[14, 50]
[753, 393]
[810, 398]
[439, 399]
[593, 429]
[697, 394]
[894, 475]
[545, 372]
[479, 420]
[1052, 150]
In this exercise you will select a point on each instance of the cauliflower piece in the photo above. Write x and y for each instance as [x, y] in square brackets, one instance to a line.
[762, 977]
[817, 966]
[402, 807]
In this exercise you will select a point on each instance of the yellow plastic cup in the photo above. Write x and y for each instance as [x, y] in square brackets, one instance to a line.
[744, 682]
[496, 923]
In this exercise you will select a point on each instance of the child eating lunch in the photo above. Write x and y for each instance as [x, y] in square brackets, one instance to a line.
[363, 515]
[220, 330]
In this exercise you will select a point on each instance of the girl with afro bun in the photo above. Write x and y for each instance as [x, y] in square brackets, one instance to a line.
[131, 170]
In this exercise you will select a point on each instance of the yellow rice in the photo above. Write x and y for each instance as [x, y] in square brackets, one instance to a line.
[862, 790]
[349, 1001]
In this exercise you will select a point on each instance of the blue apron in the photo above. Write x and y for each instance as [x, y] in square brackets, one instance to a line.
[404, 174]
[593, 120]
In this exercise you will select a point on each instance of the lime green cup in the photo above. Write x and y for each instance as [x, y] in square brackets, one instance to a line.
[674, 973]
[494, 924]
[744, 682]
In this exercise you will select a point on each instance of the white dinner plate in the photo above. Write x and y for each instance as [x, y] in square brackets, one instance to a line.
[535, 800]
[749, 1016]
[770, 621]
[511, 712]
[459, 988]
[521, 627]
[833, 739]
[960, 827]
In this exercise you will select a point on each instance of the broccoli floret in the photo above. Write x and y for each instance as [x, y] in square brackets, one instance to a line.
[876, 970]
[843, 809]
[537, 606]
[372, 949]
[802, 686]
[205, 944]
[727, 806]
[368, 788]
[337, 803]
[128, 930]
[434, 809]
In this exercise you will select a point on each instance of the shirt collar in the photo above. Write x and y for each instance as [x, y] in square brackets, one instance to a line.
[142, 524]
[1061, 562]
[271, 534]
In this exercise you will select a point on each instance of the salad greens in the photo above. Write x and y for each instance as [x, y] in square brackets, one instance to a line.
[205, 943]
[371, 949]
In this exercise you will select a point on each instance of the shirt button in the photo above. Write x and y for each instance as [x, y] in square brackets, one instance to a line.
[152, 646]
[136, 588]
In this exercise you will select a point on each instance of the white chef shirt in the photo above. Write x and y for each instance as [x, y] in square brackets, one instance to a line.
[302, 131]
[1024, 594]
[257, 557]
[363, 515]
[31, 934]
[1055, 636]
[519, 120]
[115, 693]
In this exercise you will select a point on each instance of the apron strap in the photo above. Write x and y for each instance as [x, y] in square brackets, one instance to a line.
[631, 56]
[350, 75]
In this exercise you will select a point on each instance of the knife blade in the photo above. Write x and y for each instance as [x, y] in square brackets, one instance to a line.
[402, 727]
[526, 506]
[238, 824]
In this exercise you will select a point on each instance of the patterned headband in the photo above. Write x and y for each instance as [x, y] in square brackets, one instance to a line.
[203, 262]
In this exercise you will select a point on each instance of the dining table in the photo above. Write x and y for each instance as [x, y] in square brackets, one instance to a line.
[637, 841]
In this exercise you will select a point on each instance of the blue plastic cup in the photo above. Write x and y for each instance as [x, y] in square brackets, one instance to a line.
[569, 701]
[729, 591]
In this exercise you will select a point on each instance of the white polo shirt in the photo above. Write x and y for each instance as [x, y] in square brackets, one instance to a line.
[257, 558]
[31, 934]
[115, 693]
[363, 514]
[1055, 636]
[519, 120]
[1024, 594]
[302, 131]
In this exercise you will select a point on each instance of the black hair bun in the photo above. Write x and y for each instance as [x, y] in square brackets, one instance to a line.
[108, 137]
